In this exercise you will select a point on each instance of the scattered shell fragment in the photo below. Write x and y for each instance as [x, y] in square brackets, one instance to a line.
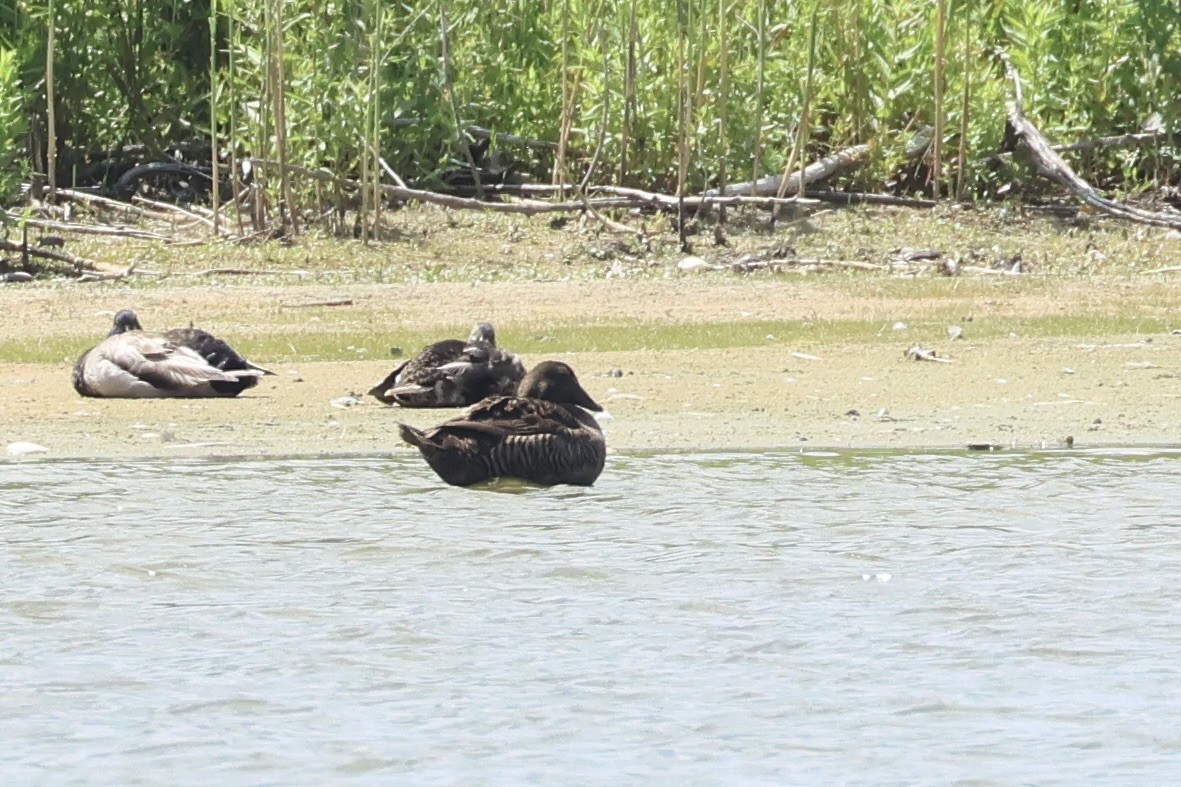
[955, 332]
[345, 402]
[805, 356]
[22, 448]
[917, 353]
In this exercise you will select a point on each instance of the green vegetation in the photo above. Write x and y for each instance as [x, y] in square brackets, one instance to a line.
[12, 124]
[758, 84]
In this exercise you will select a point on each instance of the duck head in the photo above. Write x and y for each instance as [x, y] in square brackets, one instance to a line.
[125, 320]
[555, 382]
[483, 332]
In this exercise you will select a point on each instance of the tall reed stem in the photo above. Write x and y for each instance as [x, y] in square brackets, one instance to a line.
[682, 119]
[937, 141]
[723, 97]
[50, 113]
[213, 105]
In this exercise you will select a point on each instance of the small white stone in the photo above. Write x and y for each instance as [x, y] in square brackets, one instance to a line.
[21, 448]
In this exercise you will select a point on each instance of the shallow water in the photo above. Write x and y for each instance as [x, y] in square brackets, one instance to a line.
[712, 618]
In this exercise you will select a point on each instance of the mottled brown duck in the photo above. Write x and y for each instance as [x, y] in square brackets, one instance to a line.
[453, 373]
[544, 434]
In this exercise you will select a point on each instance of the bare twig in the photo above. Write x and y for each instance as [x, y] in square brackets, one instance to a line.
[242, 272]
[311, 304]
[86, 229]
[169, 207]
[80, 263]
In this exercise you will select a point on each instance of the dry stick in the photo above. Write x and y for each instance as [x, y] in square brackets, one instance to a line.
[277, 73]
[1121, 140]
[390, 171]
[168, 206]
[1053, 166]
[213, 92]
[559, 171]
[88, 229]
[629, 91]
[311, 304]
[51, 114]
[937, 141]
[761, 10]
[682, 121]
[723, 98]
[530, 207]
[622, 197]
[106, 202]
[81, 263]
[241, 272]
[962, 153]
[235, 184]
[1170, 269]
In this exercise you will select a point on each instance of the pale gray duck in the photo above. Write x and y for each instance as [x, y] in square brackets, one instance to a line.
[453, 373]
[179, 363]
[544, 434]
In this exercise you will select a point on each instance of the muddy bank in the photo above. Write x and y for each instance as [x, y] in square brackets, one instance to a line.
[1008, 391]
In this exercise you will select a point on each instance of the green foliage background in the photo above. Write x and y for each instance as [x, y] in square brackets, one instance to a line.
[140, 71]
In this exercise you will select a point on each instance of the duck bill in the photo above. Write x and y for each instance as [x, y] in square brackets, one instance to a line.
[583, 400]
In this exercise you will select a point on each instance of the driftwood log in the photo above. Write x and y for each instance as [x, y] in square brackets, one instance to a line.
[842, 161]
[1046, 161]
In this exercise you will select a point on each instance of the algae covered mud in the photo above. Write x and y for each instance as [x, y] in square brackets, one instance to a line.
[701, 363]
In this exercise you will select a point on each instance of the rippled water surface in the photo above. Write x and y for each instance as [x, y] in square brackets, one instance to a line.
[714, 618]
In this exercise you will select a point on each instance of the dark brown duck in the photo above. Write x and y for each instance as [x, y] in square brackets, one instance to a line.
[544, 434]
[453, 373]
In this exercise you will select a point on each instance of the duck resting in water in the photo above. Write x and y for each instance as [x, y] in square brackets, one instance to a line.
[180, 363]
[453, 373]
[544, 434]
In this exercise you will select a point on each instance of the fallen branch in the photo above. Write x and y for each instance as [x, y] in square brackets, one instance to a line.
[1120, 141]
[526, 207]
[86, 229]
[747, 264]
[108, 275]
[841, 161]
[312, 304]
[1047, 162]
[79, 263]
[169, 207]
[1170, 269]
[862, 198]
[242, 272]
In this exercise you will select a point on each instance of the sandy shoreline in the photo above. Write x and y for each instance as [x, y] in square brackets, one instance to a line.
[1013, 392]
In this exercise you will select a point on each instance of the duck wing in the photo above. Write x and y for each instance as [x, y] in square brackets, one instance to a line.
[162, 364]
[214, 350]
[416, 383]
[502, 416]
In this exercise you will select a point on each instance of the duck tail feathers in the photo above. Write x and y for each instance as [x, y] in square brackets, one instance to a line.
[255, 367]
[413, 436]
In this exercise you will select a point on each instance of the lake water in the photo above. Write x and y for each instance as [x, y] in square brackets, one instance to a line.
[692, 619]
